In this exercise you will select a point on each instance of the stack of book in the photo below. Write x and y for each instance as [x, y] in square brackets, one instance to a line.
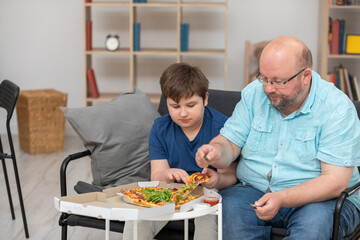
[337, 36]
[346, 83]
[136, 36]
[184, 38]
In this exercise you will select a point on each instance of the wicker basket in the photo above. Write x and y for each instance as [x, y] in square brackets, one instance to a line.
[40, 120]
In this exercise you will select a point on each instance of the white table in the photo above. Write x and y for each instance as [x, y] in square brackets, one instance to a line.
[216, 210]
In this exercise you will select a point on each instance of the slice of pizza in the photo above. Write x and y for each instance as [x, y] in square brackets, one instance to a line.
[198, 178]
[193, 181]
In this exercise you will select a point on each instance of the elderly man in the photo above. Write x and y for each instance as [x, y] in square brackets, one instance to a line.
[299, 139]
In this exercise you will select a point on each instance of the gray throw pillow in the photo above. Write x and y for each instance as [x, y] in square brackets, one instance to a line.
[117, 134]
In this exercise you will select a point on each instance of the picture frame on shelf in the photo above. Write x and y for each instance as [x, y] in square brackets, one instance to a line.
[352, 43]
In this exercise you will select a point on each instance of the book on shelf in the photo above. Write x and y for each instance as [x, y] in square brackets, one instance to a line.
[335, 31]
[92, 83]
[355, 88]
[184, 37]
[347, 83]
[340, 74]
[341, 36]
[331, 78]
[352, 44]
[88, 1]
[136, 36]
[88, 35]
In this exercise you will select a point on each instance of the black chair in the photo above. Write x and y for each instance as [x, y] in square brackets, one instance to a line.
[223, 101]
[9, 93]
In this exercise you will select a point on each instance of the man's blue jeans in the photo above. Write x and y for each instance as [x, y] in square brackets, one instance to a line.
[312, 221]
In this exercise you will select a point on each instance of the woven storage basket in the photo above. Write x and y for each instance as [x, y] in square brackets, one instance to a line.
[40, 120]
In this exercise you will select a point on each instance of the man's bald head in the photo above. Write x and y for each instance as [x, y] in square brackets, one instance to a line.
[289, 50]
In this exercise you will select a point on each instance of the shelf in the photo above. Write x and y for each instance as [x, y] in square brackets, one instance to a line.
[345, 7]
[161, 54]
[344, 56]
[204, 52]
[106, 4]
[155, 4]
[159, 4]
[191, 52]
[105, 97]
[216, 5]
[121, 51]
[157, 51]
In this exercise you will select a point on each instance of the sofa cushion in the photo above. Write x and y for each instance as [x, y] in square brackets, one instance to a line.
[116, 133]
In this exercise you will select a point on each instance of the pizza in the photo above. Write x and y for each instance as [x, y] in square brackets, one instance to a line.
[156, 196]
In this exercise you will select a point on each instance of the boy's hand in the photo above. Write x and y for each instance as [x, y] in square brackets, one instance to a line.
[213, 178]
[176, 174]
[206, 155]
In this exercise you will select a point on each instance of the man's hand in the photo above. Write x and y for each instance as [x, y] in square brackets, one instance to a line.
[206, 155]
[213, 178]
[268, 205]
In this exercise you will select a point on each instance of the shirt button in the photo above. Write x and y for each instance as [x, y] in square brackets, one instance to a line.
[281, 144]
[275, 166]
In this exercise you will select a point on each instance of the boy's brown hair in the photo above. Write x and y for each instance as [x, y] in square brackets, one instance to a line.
[183, 80]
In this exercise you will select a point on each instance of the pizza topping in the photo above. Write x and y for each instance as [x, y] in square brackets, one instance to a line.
[156, 196]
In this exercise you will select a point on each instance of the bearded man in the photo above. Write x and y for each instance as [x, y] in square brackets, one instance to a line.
[299, 139]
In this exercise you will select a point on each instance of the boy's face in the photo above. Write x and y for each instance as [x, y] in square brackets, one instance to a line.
[188, 113]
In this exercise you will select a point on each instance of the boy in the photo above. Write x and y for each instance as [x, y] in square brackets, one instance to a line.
[175, 138]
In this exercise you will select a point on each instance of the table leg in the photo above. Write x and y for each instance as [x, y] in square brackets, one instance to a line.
[135, 230]
[107, 228]
[219, 221]
[186, 229]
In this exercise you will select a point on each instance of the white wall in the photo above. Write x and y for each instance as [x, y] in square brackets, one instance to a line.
[41, 41]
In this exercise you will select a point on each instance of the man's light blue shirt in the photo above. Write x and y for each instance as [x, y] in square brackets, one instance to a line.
[326, 128]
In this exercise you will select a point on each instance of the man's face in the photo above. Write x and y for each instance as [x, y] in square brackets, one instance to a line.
[188, 113]
[288, 98]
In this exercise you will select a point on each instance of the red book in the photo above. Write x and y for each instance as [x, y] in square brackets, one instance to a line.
[87, 1]
[92, 83]
[335, 32]
[88, 35]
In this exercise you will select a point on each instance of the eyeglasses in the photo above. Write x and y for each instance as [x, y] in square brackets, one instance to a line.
[276, 84]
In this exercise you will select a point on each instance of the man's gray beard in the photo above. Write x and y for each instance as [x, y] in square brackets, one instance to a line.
[286, 103]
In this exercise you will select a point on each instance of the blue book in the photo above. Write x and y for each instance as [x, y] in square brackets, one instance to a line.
[184, 38]
[341, 36]
[136, 36]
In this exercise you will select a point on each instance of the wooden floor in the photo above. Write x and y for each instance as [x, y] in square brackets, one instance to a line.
[39, 177]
